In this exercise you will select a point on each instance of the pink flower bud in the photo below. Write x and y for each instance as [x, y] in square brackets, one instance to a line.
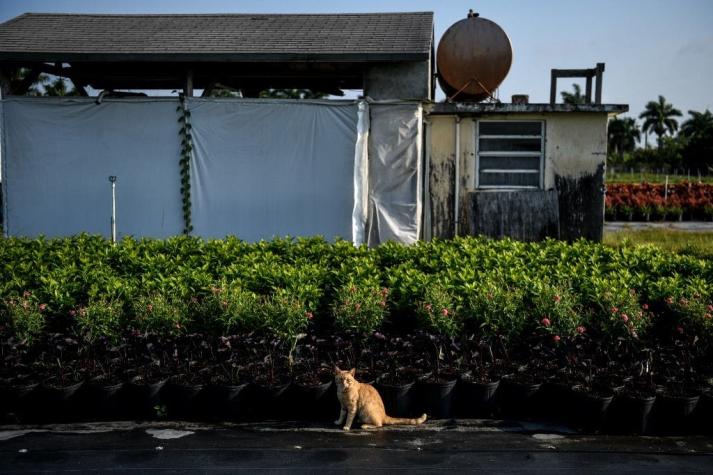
[72, 313]
[26, 293]
[679, 329]
[624, 317]
[444, 312]
[645, 306]
[557, 298]
[614, 310]
[428, 307]
[556, 338]
[357, 306]
[581, 330]
[545, 322]
[309, 315]
[42, 307]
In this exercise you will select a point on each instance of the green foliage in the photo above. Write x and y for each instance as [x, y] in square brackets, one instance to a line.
[285, 315]
[360, 307]
[495, 307]
[493, 288]
[554, 310]
[437, 311]
[25, 316]
[225, 310]
[100, 318]
[158, 313]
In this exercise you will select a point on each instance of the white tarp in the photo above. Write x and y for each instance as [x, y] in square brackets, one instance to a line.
[265, 168]
[395, 173]
[260, 168]
[58, 155]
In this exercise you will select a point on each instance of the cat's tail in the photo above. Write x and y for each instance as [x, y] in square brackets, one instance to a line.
[404, 420]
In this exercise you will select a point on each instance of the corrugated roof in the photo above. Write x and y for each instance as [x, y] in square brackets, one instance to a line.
[50, 36]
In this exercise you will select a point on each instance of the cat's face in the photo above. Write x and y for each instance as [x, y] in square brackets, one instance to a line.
[344, 379]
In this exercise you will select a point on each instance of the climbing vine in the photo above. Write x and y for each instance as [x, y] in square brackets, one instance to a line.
[184, 133]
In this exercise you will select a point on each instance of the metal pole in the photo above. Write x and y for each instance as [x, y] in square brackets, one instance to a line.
[456, 199]
[112, 180]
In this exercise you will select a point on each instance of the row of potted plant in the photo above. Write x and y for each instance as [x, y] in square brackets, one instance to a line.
[616, 386]
[659, 202]
[89, 288]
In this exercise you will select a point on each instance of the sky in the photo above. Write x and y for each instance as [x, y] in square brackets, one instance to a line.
[650, 47]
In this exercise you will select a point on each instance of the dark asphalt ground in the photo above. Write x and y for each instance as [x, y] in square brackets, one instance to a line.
[439, 446]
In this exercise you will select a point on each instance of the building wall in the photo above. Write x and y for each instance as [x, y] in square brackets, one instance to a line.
[405, 80]
[575, 155]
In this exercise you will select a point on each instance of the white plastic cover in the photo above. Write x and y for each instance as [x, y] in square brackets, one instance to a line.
[395, 173]
[260, 168]
[265, 168]
[58, 155]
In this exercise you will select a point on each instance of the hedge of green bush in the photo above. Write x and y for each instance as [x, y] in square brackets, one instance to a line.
[503, 289]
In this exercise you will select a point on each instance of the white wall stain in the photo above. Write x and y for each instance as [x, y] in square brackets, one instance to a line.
[165, 434]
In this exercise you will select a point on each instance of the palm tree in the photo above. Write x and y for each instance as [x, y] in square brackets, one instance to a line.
[622, 135]
[659, 118]
[698, 125]
[574, 98]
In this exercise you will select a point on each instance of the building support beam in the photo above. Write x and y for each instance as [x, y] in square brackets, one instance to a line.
[188, 86]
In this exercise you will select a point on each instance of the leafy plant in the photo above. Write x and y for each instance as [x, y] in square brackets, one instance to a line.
[100, 318]
[158, 313]
[360, 307]
[437, 312]
[25, 316]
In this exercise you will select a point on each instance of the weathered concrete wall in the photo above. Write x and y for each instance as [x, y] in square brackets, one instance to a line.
[524, 215]
[575, 153]
[406, 80]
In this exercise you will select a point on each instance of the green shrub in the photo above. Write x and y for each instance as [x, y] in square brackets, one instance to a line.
[495, 309]
[100, 318]
[285, 316]
[553, 310]
[225, 310]
[25, 316]
[359, 307]
[437, 311]
[616, 312]
[158, 313]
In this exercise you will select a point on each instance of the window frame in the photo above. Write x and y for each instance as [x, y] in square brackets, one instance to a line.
[540, 154]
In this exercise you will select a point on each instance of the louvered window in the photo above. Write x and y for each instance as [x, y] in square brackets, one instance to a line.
[510, 154]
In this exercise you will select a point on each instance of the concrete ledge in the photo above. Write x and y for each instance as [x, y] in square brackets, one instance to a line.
[443, 108]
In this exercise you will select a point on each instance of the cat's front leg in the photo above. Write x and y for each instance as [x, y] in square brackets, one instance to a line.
[342, 416]
[350, 419]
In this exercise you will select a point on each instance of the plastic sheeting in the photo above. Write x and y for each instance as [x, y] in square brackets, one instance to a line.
[265, 168]
[260, 168]
[395, 186]
[58, 155]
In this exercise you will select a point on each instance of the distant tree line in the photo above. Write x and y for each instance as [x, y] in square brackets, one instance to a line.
[685, 146]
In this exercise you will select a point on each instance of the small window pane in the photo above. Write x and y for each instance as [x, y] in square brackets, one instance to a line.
[509, 179]
[510, 128]
[510, 145]
[510, 163]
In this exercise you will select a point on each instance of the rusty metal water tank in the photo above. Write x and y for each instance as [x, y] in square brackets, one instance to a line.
[473, 58]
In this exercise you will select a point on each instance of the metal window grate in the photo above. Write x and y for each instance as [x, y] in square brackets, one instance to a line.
[509, 154]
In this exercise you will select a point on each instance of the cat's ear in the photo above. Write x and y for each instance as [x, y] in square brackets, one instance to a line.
[352, 372]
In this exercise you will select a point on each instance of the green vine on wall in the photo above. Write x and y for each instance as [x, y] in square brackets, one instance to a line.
[184, 133]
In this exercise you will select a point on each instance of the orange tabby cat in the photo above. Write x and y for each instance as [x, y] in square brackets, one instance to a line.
[361, 399]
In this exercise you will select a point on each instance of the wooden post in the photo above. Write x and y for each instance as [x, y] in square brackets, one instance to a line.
[188, 86]
[553, 88]
[588, 92]
[598, 91]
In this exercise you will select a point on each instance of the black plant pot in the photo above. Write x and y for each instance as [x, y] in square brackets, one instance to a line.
[181, 400]
[141, 399]
[236, 401]
[476, 400]
[55, 403]
[102, 401]
[397, 398]
[312, 401]
[589, 410]
[435, 398]
[16, 401]
[630, 414]
[555, 402]
[270, 401]
[703, 414]
[674, 414]
[517, 399]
